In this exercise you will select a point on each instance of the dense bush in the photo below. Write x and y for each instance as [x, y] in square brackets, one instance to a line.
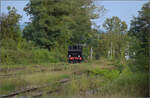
[32, 56]
[108, 74]
[125, 83]
[135, 84]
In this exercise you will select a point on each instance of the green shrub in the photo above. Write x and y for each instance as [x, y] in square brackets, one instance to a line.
[108, 74]
[128, 84]
[32, 56]
[10, 85]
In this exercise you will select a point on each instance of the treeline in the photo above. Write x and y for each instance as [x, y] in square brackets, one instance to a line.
[56, 24]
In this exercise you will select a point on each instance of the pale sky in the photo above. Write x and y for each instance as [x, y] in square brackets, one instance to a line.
[125, 9]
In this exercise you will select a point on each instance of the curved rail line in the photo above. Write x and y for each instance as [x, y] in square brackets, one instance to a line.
[32, 89]
[36, 88]
[11, 75]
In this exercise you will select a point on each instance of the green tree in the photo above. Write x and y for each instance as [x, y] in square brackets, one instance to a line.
[59, 22]
[10, 28]
[114, 40]
[115, 25]
[140, 28]
[10, 34]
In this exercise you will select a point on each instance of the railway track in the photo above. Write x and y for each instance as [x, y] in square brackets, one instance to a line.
[15, 74]
[62, 82]
[29, 90]
[33, 89]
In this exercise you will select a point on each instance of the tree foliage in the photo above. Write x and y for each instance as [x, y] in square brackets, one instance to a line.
[114, 41]
[115, 25]
[57, 22]
[140, 28]
[10, 33]
[10, 25]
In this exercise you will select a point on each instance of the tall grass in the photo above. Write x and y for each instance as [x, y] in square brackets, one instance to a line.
[106, 83]
[11, 84]
[93, 82]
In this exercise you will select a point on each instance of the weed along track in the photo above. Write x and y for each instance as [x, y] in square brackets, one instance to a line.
[70, 81]
[37, 91]
[15, 74]
[19, 92]
[26, 83]
[36, 70]
[61, 82]
[33, 89]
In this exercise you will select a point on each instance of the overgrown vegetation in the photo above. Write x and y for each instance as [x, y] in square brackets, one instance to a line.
[90, 81]
[120, 57]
